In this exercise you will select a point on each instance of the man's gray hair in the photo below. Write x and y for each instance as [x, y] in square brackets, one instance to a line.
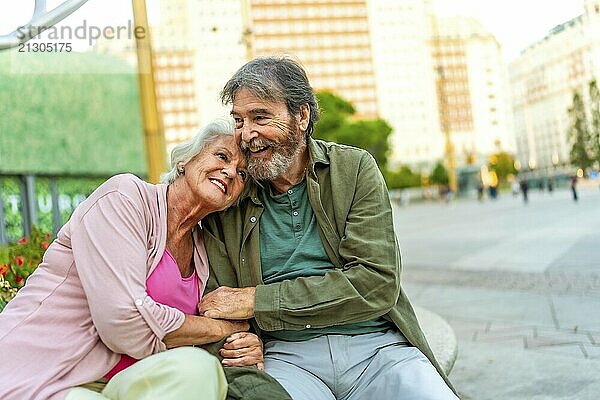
[275, 79]
[184, 152]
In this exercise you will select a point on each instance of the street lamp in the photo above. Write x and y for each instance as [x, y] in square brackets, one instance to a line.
[532, 163]
[450, 158]
[517, 165]
[449, 146]
[153, 129]
[247, 30]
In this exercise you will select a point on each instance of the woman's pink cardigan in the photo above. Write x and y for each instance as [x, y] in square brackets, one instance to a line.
[87, 301]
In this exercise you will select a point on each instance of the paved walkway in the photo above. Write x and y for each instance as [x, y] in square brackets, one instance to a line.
[520, 284]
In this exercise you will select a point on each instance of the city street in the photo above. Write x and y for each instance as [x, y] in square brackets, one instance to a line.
[520, 285]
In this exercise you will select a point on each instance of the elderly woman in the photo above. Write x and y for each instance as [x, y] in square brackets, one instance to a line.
[120, 285]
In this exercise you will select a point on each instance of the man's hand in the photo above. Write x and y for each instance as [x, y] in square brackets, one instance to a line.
[228, 303]
[243, 349]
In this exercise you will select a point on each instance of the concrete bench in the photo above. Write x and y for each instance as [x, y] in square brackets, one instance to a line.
[440, 336]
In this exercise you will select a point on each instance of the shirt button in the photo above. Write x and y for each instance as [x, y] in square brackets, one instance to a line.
[308, 326]
[139, 302]
[253, 219]
[290, 191]
[298, 227]
[295, 213]
[243, 260]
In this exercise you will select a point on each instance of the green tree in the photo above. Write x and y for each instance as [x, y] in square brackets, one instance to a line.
[402, 177]
[503, 164]
[439, 175]
[595, 122]
[579, 134]
[335, 112]
[337, 125]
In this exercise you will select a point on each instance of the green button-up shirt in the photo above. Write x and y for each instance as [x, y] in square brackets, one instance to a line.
[350, 200]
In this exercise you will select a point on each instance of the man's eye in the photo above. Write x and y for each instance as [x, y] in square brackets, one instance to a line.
[243, 175]
[222, 156]
[260, 119]
[239, 122]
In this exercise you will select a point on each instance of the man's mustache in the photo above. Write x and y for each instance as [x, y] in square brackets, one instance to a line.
[257, 142]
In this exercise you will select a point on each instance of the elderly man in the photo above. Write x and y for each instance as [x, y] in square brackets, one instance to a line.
[311, 254]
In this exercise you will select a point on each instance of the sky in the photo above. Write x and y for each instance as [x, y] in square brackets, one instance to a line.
[516, 24]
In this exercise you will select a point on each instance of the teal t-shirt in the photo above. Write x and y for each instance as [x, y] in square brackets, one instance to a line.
[290, 247]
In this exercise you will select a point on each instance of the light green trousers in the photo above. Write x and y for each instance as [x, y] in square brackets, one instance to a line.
[183, 373]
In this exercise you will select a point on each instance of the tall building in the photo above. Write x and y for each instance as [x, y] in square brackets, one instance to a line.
[472, 89]
[330, 38]
[173, 62]
[175, 94]
[405, 78]
[350, 47]
[213, 32]
[384, 56]
[543, 80]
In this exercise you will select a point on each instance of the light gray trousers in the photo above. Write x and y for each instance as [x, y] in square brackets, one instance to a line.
[374, 366]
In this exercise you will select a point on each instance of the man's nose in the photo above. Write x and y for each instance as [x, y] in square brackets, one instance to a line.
[247, 133]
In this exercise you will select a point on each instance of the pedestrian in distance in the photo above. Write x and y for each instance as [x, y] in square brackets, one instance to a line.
[480, 190]
[524, 189]
[550, 185]
[515, 188]
[493, 189]
[574, 188]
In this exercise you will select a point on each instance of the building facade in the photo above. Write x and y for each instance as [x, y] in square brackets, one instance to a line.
[543, 80]
[406, 78]
[384, 56]
[175, 94]
[472, 89]
[330, 38]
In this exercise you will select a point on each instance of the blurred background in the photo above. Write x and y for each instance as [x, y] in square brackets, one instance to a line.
[484, 117]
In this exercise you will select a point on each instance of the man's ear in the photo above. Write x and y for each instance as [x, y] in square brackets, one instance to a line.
[304, 117]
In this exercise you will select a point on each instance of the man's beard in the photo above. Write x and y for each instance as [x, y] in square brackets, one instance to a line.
[282, 154]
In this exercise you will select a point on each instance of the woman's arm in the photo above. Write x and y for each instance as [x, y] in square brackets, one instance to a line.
[109, 240]
[198, 330]
[241, 349]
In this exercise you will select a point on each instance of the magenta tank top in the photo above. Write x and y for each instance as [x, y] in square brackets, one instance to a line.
[166, 286]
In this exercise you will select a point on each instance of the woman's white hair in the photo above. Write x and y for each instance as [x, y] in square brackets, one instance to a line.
[184, 152]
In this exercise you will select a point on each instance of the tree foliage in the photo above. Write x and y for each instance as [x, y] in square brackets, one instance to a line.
[594, 147]
[439, 175]
[503, 164]
[579, 134]
[402, 178]
[337, 125]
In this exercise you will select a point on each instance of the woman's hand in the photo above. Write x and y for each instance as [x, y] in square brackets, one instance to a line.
[243, 349]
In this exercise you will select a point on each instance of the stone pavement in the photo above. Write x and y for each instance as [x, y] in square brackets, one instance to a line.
[520, 285]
